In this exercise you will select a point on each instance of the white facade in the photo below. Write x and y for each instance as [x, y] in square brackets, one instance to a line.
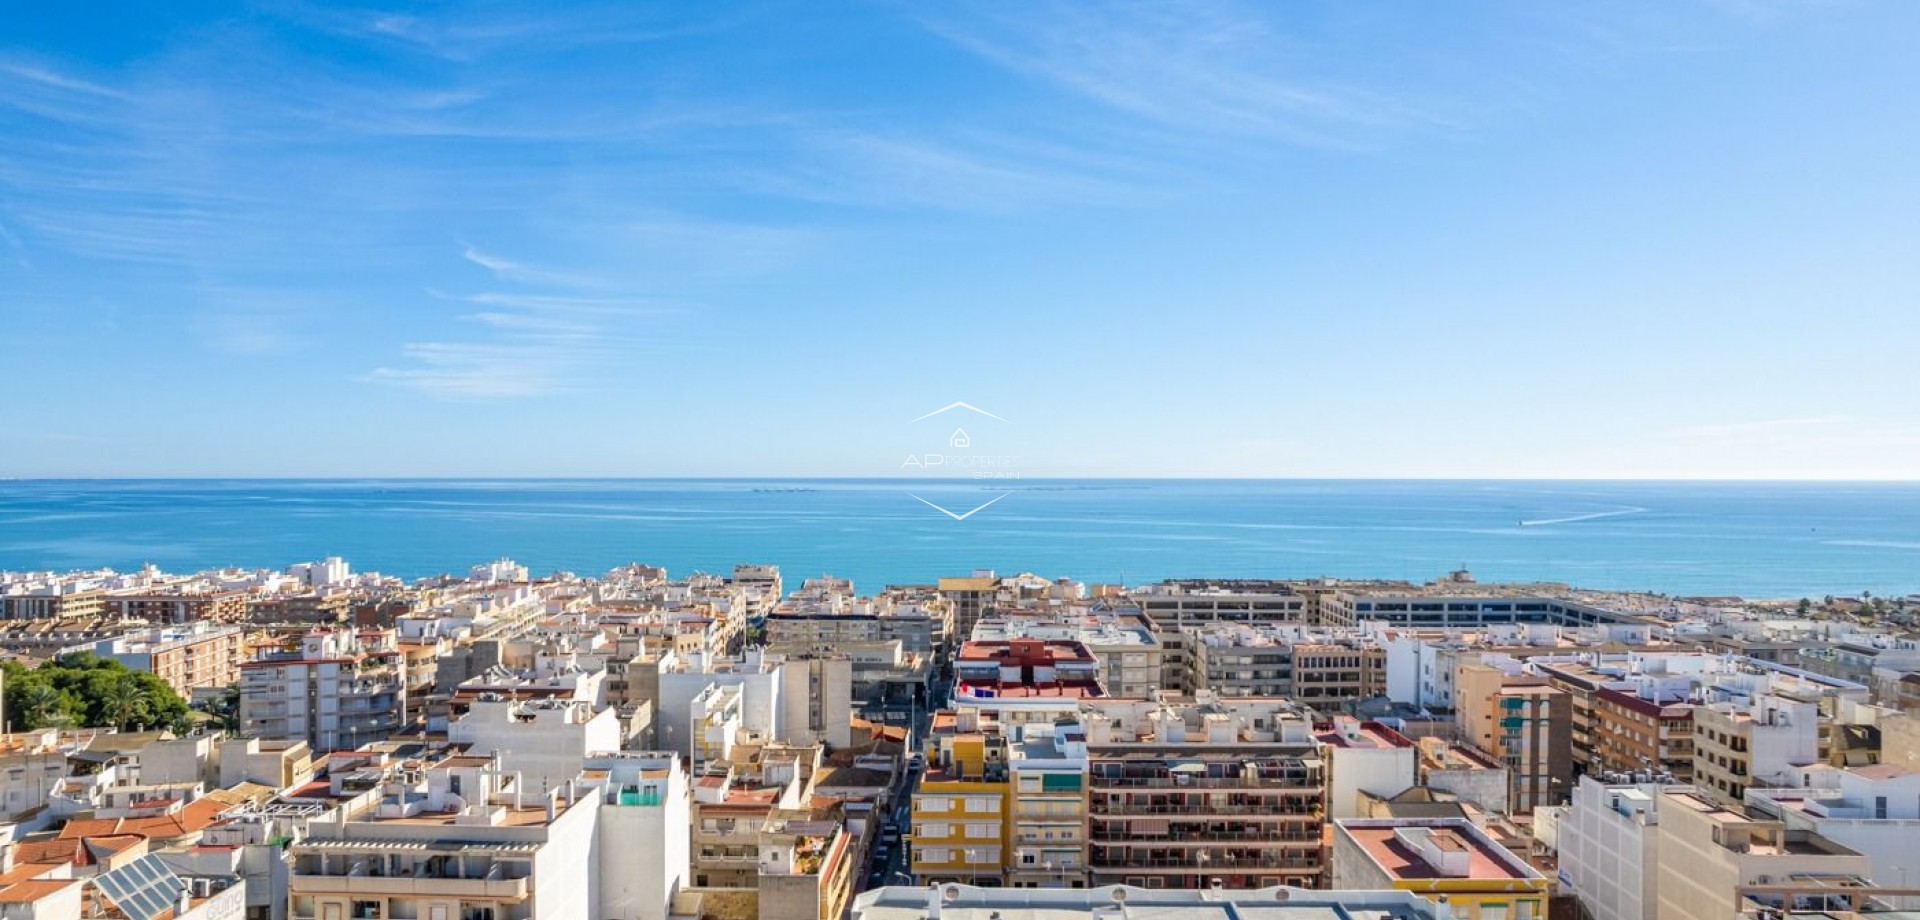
[1365, 758]
[682, 679]
[967, 902]
[546, 741]
[1707, 853]
[328, 572]
[1609, 849]
[465, 840]
[643, 838]
[1874, 811]
[817, 701]
[332, 693]
[29, 774]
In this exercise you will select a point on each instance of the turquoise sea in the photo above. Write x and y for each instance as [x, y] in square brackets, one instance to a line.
[1756, 539]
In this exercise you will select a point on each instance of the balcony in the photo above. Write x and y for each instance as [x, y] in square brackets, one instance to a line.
[1216, 863]
[1121, 835]
[416, 886]
[743, 860]
[1303, 779]
[1264, 808]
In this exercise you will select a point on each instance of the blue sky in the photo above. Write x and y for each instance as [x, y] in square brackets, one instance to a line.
[1659, 239]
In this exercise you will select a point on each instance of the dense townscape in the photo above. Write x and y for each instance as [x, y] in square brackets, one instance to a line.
[322, 744]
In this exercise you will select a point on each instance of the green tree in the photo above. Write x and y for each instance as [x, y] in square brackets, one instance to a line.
[37, 704]
[124, 703]
[89, 691]
[223, 712]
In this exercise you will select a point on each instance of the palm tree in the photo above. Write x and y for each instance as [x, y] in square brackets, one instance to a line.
[125, 702]
[34, 704]
[225, 711]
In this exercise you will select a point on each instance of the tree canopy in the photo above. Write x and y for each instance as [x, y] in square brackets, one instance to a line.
[84, 690]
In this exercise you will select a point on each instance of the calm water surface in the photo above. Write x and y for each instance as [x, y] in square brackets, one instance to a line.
[1758, 539]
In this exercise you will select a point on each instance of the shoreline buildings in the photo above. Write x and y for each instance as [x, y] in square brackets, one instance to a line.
[504, 746]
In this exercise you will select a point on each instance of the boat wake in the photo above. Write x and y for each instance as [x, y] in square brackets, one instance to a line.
[1594, 516]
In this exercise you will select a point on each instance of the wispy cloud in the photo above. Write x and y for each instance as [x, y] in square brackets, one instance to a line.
[616, 306]
[472, 370]
[59, 81]
[974, 171]
[475, 32]
[1217, 68]
[527, 344]
[510, 270]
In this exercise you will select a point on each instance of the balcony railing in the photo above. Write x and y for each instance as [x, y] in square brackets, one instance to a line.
[1280, 811]
[1302, 780]
[1104, 863]
[1120, 835]
[511, 889]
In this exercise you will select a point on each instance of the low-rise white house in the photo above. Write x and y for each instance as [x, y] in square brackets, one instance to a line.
[1873, 810]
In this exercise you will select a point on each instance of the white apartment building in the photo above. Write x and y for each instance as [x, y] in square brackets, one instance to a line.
[1708, 855]
[32, 764]
[1364, 757]
[545, 740]
[1125, 647]
[1047, 769]
[800, 699]
[1114, 902]
[334, 692]
[1173, 604]
[1610, 849]
[1767, 740]
[326, 573]
[460, 840]
[1874, 810]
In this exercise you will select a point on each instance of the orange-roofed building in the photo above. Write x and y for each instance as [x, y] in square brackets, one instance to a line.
[90, 855]
[42, 899]
[1025, 680]
[1439, 858]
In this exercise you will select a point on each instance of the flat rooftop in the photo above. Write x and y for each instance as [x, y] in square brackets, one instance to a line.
[1486, 860]
[1361, 735]
[986, 690]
